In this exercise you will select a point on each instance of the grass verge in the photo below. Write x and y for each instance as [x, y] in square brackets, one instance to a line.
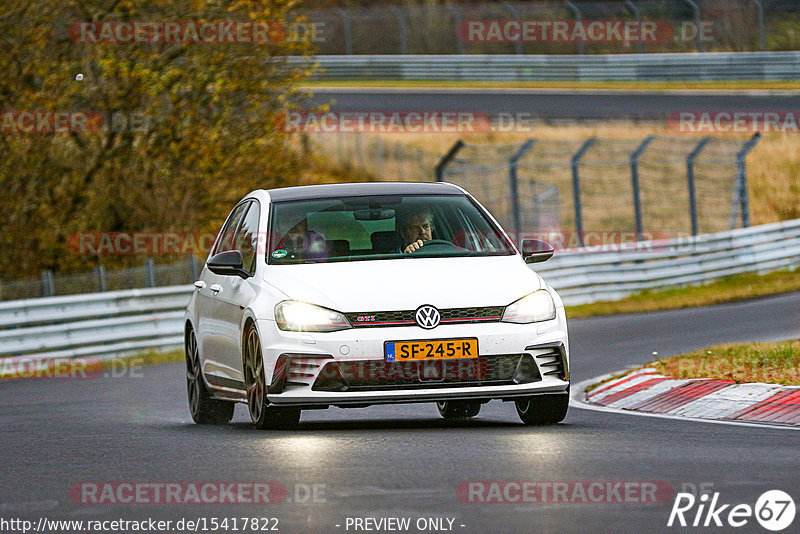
[728, 289]
[772, 363]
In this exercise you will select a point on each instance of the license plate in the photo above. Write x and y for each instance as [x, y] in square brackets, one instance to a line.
[431, 349]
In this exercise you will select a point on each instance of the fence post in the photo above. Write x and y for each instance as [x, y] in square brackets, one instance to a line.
[101, 277]
[446, 159]
[637, 203]
[193, 268]
[576, 186]
[514, 185]
[48, 284]
[401, 22]
[457, 19]
[762, 34]
[514, 13]
[690, 181]
[149, 272]
[698, 22]
[577, 14]
[634, 9]
[347, 30]
[741, 172]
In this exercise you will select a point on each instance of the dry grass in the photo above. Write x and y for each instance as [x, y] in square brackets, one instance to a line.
[772, 363]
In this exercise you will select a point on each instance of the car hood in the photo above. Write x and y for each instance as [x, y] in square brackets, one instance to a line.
[407, 283]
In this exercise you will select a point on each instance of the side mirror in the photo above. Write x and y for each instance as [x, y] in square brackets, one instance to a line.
[535, 251]
[228, 263]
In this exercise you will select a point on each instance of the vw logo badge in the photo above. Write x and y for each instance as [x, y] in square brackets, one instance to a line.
[427, 317]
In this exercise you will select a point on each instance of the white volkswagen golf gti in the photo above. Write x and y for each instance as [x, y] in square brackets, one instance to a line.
[350, 295]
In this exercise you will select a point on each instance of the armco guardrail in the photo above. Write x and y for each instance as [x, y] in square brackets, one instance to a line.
[95, 324]
[119, 322]
[512, 67]
[585, 276]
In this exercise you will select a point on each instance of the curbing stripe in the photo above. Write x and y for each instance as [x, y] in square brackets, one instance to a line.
[619, 385]
[671, 400]
[628, 391]
[726, 401]
[782, 407]
[634, 400]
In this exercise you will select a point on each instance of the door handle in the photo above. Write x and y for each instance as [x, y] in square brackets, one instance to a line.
[199, 284]
[216, 288]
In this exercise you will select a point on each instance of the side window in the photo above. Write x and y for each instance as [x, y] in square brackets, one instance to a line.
[247, 237]
[225, 239]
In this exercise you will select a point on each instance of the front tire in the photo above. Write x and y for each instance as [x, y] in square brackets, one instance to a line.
[458, 410]
[205, 410]
[543, 409]
[263, 415]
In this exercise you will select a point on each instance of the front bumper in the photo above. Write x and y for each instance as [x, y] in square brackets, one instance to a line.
[294, 363]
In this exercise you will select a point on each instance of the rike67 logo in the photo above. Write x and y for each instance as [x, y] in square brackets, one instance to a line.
[774, 510]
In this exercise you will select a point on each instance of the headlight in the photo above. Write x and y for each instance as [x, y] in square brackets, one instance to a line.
[302, 317]
[538, 306]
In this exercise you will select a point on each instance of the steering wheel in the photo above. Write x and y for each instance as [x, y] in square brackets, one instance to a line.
[428, 243]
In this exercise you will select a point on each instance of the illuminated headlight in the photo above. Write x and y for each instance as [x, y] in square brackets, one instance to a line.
[538, 306]
[302, 317]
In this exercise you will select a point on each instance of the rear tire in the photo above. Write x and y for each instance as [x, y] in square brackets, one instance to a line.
[458, 410]
[543, 409]
[263, 415]
[205, 410]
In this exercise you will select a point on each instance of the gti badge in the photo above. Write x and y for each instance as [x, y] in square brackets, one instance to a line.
[427, 317]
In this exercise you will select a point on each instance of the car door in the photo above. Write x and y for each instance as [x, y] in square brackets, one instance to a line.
[235, 295]
[207, 313]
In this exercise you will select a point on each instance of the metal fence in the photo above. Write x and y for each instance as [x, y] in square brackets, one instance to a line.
[439, 28]
[705, 66]
[115, 323]
[101, 279]
[655, 186]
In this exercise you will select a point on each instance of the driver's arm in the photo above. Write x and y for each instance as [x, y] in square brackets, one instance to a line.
[416, 245]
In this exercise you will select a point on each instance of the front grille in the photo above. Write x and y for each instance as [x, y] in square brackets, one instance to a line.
[373, 375]
[406, 317]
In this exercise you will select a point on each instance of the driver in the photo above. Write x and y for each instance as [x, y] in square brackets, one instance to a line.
[415, 226]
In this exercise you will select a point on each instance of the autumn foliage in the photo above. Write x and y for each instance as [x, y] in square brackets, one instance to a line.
[176, 131]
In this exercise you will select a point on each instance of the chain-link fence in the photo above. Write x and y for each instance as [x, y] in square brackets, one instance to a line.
[100, 279]
[652, 188]
[658, 186]
[434, 28]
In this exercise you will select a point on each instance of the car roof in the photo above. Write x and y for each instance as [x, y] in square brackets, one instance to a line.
[309, 192]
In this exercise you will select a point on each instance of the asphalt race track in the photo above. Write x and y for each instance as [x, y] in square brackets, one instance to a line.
[554, 103]
[401, 461]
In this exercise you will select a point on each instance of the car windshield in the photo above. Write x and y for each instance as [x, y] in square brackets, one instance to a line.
[381, 227]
